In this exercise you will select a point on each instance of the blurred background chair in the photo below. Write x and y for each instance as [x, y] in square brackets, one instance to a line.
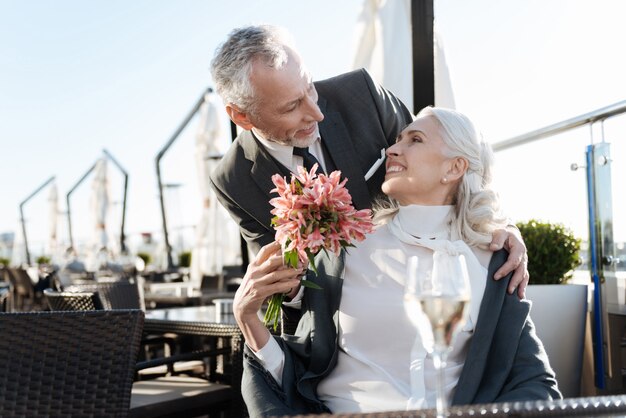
[73, 301]
[24, 297]
[5, 296]
[114, 293]
[59, 364]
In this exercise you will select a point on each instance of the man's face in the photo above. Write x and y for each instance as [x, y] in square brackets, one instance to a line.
[286, 110]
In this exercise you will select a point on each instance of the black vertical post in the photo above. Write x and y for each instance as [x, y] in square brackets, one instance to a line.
[422, 17]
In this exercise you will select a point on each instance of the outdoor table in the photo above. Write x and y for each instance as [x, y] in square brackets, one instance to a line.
[173, 298]
[191, 319]
[599, 406]
[201, 321]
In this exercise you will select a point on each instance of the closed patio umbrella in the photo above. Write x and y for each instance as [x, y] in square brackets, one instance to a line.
[217, 243]
[53, 221]
[383, 45]
[99, 208]
[18, 252]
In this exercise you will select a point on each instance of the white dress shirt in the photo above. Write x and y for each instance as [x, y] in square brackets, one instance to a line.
[284, 153]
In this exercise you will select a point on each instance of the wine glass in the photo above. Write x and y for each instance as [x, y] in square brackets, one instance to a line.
[438, 305]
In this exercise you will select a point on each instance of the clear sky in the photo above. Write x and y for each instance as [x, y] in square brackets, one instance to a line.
[77, 77]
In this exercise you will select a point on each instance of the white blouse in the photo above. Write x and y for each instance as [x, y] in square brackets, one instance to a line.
[382, 364]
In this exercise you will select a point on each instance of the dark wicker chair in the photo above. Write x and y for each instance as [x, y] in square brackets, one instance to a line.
[68, 364]
[117, 294]
[73, 301]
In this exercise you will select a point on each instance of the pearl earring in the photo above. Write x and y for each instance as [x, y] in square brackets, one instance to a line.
[444, 180]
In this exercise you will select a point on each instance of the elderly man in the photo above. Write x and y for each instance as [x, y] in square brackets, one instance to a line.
[345, 123]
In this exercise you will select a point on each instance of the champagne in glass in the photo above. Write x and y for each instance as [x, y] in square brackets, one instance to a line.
[443, 298]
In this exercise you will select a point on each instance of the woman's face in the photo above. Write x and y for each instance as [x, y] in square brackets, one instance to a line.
[417, 165]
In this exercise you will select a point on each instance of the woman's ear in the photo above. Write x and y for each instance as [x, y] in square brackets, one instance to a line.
[238, 117]
[457, 168]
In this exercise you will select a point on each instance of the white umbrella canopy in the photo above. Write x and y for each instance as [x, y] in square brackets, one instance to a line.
[217, 236]
[53, 221]
[18, 252]
[99, 210]
[383, 45]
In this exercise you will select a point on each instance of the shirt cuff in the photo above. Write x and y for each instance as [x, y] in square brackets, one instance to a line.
[296, 302]
[272, 358]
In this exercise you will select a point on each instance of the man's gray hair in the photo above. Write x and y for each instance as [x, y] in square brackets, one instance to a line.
[233, 61]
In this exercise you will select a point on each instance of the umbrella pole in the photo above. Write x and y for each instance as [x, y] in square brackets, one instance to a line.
[23, 221]
[168, 248]
[67, 199]
[125, 173]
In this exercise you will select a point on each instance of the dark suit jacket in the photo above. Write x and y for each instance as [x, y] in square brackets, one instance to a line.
[505, 362]
[360, 119]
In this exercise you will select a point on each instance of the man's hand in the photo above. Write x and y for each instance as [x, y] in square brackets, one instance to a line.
[511, 240]
[266, 275]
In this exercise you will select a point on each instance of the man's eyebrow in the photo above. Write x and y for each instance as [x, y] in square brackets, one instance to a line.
[289, 104]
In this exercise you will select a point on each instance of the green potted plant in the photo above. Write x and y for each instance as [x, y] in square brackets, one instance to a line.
[147, 258]
[42, 259]
[553, 251]
[559, 310]
[184, 259]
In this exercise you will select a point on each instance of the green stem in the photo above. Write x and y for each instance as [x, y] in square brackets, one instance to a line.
[272, 315]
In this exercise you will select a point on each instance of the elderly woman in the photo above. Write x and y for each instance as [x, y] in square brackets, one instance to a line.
[353, 348]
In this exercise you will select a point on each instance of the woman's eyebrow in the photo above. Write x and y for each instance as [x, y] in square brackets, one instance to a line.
[411, 132]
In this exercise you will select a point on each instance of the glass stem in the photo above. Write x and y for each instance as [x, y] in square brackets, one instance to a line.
[439, 360]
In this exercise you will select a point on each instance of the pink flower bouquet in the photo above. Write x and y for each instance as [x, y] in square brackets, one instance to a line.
[313, 212]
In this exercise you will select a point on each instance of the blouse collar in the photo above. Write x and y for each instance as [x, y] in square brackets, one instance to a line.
[427, 222]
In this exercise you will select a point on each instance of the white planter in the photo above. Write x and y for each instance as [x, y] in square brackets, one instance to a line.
[559, 312]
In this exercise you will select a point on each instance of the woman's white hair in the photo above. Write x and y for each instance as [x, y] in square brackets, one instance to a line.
[476, 205]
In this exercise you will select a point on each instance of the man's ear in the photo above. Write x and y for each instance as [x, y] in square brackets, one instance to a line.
[457, 168]
[238, 117]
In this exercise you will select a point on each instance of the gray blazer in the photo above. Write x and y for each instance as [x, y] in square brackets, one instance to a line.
[505, 362]
[360, 119]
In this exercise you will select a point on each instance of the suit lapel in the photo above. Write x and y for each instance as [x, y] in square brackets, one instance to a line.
[263, 168]
[325, 303]
[478, 352]
[335, 137]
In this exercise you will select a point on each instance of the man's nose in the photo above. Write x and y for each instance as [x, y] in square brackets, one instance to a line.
[314, 111]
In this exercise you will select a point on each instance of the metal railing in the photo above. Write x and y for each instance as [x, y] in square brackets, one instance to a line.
[560, 127]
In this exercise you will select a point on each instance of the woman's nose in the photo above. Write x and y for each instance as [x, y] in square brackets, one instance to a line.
[393, 150]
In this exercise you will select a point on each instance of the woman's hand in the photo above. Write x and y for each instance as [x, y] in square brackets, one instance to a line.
[266, 275]
[511, 239]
